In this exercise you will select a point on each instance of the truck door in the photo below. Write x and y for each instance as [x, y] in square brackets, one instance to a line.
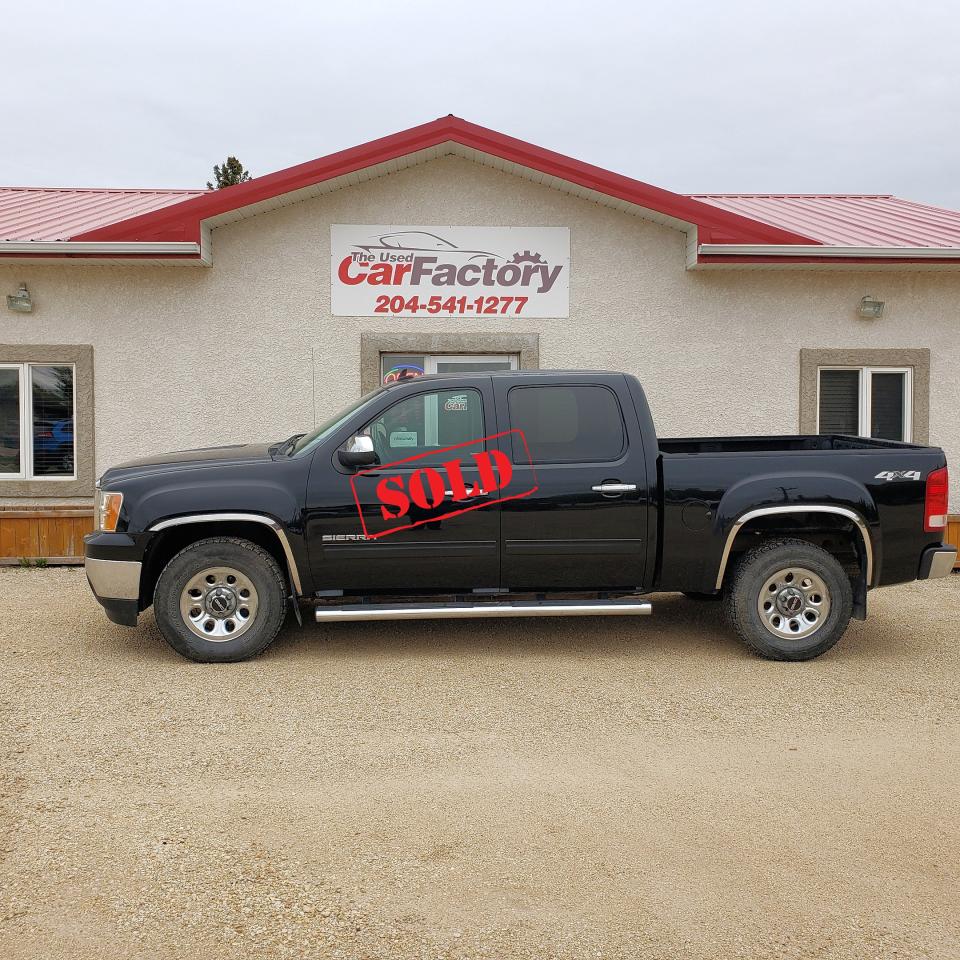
[585, 526]
[439, 553]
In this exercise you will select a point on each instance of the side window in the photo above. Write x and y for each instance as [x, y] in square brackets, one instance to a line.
[865, 401]
[839, 410]
[566, 424]
[36, 421]
[427, 422]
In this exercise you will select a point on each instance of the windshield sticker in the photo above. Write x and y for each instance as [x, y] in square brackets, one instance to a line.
[457, 403]
[402, 495]
[403, 438]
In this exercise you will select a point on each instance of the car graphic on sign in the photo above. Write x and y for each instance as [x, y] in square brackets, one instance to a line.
[419, 241]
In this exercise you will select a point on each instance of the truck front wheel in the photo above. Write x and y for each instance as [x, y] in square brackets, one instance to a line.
[789, 600]
[220, 600]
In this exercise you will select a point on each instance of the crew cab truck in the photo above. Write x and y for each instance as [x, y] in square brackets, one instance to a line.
[513, 494]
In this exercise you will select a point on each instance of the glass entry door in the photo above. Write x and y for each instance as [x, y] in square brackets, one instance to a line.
[396, 366]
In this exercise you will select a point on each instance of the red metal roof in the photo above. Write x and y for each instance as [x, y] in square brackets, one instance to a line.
[855, 220]
[51, 213]
[132, 217]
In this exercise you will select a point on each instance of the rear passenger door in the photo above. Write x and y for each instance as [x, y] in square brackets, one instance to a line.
[585, 526]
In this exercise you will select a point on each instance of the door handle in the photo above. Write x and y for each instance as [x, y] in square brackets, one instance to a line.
[476, 496]
[608, 488]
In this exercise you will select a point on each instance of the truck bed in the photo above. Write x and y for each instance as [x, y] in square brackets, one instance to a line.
[776, 444]
[709, 481]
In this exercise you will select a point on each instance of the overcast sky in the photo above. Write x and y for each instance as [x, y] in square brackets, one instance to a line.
[838, 96]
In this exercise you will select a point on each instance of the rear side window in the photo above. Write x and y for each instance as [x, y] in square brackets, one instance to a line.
[581, 424]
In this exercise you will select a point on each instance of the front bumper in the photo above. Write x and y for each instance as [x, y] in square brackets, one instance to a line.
[937, 562]
[114, 582]
[114, 579]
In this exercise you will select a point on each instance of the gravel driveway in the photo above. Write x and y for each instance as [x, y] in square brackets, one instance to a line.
[608, 788]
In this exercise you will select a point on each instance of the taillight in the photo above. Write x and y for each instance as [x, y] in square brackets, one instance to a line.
[935, 505]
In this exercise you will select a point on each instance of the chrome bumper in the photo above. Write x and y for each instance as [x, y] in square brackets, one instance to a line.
[114, 579]
[937, 562]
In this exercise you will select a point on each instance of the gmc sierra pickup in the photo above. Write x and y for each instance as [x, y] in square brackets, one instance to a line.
[512, 494]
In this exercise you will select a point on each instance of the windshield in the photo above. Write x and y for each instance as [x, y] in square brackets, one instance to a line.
[309, 440]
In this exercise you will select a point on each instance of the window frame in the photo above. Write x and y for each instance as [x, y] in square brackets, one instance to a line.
[21, 475]
[27, 473]
[865, 396]
[80, 355]
[917, 358]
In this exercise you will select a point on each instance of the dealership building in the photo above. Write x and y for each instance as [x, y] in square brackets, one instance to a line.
[136, 321]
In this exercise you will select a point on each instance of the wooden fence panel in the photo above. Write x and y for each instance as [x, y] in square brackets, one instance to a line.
[953, 536]
[20, 537]
[55, 535]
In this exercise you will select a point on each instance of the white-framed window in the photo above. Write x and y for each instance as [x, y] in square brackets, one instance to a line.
[37, 414]
[874, 402]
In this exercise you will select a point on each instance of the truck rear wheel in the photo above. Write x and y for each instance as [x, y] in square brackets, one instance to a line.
[789, 600]
[220, 600]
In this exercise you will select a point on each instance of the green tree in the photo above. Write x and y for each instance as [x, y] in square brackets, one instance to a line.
[232, 172]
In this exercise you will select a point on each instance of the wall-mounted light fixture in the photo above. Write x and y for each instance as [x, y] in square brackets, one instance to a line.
[20, 301]
[871, 309]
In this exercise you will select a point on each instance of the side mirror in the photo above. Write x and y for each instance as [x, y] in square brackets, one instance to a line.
[357, 452]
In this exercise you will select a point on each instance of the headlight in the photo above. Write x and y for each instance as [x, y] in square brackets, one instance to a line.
[108, 511]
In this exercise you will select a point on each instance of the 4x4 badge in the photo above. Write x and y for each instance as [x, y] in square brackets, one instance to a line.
[898, 475]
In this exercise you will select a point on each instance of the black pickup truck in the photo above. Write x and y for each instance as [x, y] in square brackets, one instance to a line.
[540, 493]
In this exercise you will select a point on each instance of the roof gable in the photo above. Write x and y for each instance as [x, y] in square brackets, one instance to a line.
[182, 221]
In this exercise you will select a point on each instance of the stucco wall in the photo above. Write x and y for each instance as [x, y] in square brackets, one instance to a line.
[248, 350]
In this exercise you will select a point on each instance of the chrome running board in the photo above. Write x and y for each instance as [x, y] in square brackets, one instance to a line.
[467, 611]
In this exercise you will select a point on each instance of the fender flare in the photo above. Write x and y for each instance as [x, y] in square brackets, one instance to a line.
[852, 515]
[248, 517]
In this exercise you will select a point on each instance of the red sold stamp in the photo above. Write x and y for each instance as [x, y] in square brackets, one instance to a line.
[469, 476]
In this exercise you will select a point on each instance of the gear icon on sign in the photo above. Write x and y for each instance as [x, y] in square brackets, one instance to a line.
[526, 257]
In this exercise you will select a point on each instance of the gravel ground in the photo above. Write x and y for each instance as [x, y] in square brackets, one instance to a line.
[570, 789]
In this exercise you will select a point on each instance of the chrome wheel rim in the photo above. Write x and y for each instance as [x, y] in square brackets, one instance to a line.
[219, 604]
[794, 603]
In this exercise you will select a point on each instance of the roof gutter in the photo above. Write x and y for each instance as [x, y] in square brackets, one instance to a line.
[825, 250]
[85, 248]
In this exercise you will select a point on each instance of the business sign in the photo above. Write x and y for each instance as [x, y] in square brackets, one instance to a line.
[412, 271]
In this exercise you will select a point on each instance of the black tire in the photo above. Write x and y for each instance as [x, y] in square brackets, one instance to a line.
[255, 567]
[750, 579]
[702, 597]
